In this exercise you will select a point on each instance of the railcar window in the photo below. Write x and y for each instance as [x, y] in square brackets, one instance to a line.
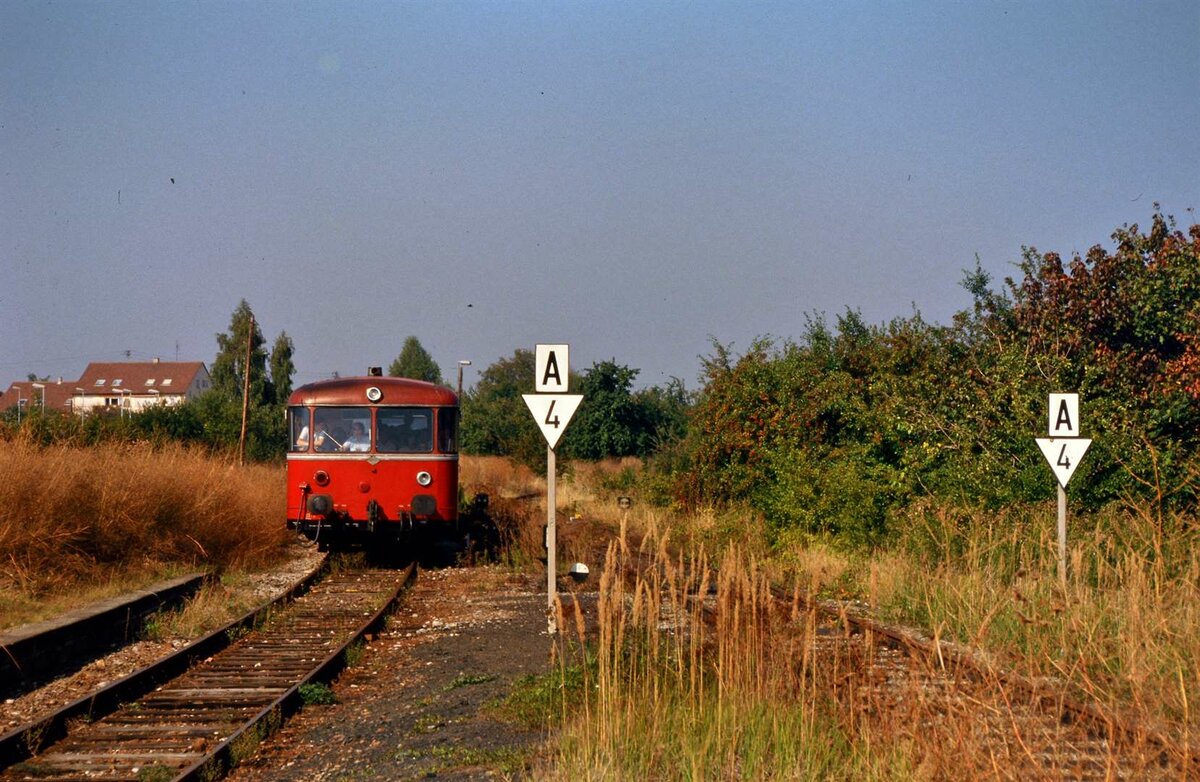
[298, 426]
[337, 429]
[405, 429]
[448, 430]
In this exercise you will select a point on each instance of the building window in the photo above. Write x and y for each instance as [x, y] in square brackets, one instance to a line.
[100, 382]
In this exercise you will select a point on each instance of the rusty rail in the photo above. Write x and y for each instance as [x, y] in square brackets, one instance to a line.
[1047, 695]
[201, 723]
[23, 742]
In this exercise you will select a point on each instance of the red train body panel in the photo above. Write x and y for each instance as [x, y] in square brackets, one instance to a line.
[372, 457]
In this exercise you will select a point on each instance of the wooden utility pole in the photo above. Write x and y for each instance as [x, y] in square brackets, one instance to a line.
[246, 392]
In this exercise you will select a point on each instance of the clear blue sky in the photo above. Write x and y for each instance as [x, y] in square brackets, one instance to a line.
[627, 177]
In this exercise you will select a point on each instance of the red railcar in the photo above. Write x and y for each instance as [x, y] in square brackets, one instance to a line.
[372, 457]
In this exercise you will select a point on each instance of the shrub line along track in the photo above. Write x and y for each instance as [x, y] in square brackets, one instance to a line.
[223, 696]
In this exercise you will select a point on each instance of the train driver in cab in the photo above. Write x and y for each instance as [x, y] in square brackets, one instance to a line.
[358, 440]
[324, 439]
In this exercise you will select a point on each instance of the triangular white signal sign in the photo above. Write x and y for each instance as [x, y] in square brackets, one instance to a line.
[1064, 455]
[552, 412]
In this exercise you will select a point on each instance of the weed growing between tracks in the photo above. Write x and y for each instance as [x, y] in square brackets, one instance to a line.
[695, 674]
[78, 524]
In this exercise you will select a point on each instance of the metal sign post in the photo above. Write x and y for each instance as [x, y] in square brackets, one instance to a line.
[1063, 449]
[552, 411]
[551, 542]
[1062, 535]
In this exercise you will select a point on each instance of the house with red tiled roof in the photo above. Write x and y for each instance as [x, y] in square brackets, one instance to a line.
[114, 386]
[35, 394]
[136, 385]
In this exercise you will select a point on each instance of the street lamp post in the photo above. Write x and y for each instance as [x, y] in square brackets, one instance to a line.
[43, 387]
[462, 363]
[20, 404]
[80, 398]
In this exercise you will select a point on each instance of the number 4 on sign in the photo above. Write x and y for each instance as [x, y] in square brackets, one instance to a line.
[1063, 454]
[552, 412]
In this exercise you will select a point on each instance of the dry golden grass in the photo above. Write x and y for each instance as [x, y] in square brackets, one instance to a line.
[1124, 631]
[684, 687]
[517, 503]
[82, 522]
[499, 477]
[747, 701]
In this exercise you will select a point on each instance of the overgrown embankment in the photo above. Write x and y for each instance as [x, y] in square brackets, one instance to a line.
[82, 521]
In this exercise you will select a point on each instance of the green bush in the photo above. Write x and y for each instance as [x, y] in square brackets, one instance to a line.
[844, 428]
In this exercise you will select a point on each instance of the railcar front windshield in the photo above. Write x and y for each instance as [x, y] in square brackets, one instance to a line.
[333, 429]
[405, 429]
[395, 430]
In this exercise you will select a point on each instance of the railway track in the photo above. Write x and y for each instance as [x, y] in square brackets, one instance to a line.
[963, 699]
[218, 703]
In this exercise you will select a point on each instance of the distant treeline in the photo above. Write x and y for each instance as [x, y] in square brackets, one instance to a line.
[213, 421]
[838, 429]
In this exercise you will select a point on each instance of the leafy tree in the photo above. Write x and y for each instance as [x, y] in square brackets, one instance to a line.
[614, 421]
[666, 408]
[416, 363]
[229, 367]
[608, 422]
[495, 419]
[1120, 328]
[282, 368]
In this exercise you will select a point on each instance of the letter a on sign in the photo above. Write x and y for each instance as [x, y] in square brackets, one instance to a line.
[552, 368]
[1064, 415]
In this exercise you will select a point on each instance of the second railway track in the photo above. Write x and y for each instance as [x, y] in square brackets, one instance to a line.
[199, 724]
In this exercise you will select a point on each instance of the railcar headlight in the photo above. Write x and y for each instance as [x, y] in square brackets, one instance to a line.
[374, 394]
[424, 478]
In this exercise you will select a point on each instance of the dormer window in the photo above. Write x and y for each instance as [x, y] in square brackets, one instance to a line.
[166, 381]
[116, 382]
[150, 382]
[100, 382]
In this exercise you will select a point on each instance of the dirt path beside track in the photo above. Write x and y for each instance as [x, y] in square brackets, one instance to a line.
[420, 701]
